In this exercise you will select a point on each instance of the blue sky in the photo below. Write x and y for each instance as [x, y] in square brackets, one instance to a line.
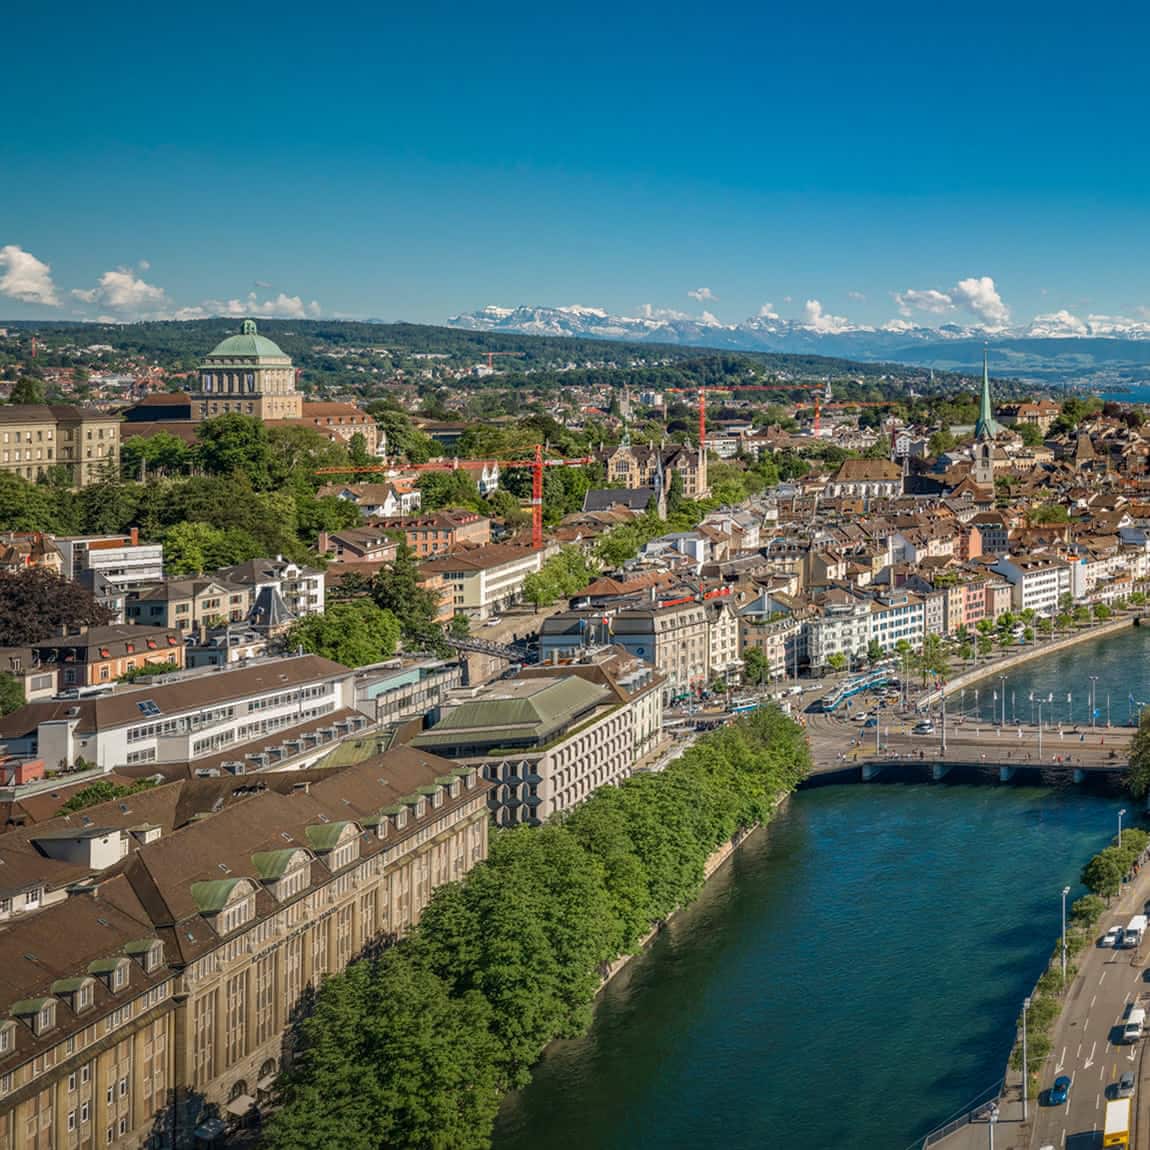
[412, 162]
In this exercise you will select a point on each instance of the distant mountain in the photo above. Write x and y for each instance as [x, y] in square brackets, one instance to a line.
[1051, 348]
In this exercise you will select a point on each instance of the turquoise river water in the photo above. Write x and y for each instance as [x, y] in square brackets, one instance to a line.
[848, 980]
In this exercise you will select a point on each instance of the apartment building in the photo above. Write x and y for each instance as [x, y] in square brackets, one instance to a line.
[189, 604]
[545, 743]
[672, 635]
[1036, 583]
[842, 627]
[357, 545]
[777, 634]
[894, 618]
[148, 1006]
[121, 559]
[98, 656]
[724, 659]
[35, 438]
[375, 500]
[302, 590]
[224, 711]
[439, 532]
[485, 580]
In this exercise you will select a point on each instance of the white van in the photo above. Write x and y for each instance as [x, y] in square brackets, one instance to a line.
[1132, 1028]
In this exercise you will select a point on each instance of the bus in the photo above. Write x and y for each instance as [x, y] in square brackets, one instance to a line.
[742, 706]
[1116, 1131]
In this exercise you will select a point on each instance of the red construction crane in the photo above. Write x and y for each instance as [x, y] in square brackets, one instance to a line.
[701, 392]
[492, 354]
[820, 407]
[537, 464]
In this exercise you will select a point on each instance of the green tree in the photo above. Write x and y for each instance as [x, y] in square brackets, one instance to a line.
[102, 791]
[37, 604]
[396, 588]
[874, 651]
[355, 633]
[11, 693]
[755, 669]
[191, 548]
[837, 661]
[27, 391]
[1103, 873]
[1138, 776]
[1031, 434]
[460, 625]
[235, 443]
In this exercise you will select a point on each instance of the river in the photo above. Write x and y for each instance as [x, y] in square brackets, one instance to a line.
[847, 981]
[1064, 679]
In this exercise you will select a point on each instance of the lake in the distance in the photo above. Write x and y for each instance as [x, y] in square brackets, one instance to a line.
[849, 980]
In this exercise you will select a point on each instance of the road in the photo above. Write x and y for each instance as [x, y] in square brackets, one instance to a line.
[1108, 982]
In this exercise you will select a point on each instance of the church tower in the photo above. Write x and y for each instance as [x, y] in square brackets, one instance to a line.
[986, 430]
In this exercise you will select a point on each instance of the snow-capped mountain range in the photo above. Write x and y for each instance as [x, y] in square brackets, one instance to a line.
[1032, 347]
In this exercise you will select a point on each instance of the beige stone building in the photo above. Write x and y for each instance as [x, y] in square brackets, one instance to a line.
[35, 437]
[249, 374]
[175, 935]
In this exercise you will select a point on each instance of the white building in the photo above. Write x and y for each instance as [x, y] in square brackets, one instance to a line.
[302, 589]
[896, 617]
[1035, 583]
[189, 720]
[121, 559]
[842, 628]
[485, 580]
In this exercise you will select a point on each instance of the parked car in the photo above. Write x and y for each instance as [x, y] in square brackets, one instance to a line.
[1113, 937]
[1060, 1091]
[926, 728]
[1124, 1087]
[494, 621]
[861, 717]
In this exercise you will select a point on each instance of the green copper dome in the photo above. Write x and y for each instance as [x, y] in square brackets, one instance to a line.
[248, 345]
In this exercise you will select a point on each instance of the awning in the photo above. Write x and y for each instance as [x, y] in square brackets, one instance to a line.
[266, 1083]
[211, 1129]
[240, 1105]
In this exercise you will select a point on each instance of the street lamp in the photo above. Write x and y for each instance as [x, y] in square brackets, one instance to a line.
[1065, 892]
[993, 1118]
[1025, 1068]
[1120, 814]
[1002, 683]
[1040, 702]
[1093, 698]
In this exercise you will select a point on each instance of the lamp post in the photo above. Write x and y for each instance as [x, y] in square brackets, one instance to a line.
[1065, 892]
[1093, 698]
[1002, 684]
[993, 1118]
[1025, 1067]
[1120, 814]
[1040, 702]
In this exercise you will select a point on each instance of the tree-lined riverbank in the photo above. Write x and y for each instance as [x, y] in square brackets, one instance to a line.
[416, 1047]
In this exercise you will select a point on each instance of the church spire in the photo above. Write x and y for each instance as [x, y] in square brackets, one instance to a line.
[986, 427]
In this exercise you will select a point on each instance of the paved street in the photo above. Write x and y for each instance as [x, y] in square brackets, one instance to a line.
[1108, 982]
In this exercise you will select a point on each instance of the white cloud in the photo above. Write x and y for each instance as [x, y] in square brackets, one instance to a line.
[123, 291]
[979, 295]
[262, 284]
[858, 296]
[821, 321]
[144, 265]
[1060, 323]
[282, 306]
[26, 278]
[929, 300]
[661, 314]
[897, 325]
[767, 311]
[702, 294]
[710, 319]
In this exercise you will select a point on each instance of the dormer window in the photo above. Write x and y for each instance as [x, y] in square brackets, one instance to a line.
[227, 903]
[113, 972]
[284, 872]
[337, 844]
[148, 952]
[45, 1017]
[79, 992]
[7, 1037]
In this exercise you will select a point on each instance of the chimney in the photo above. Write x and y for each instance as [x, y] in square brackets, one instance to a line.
[134, 536]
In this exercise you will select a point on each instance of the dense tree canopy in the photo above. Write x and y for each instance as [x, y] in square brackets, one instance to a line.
[355, 633]
[37, 604]
[414, 1049]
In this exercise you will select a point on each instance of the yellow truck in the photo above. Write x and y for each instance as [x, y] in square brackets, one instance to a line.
[1116, 1132]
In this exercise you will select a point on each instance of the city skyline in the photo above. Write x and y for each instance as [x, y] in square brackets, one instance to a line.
[903, 171]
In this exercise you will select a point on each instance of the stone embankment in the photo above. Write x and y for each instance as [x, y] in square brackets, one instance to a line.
[1016, 658]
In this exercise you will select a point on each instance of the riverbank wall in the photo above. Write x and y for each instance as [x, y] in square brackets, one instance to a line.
[998, 666]
[714, 861]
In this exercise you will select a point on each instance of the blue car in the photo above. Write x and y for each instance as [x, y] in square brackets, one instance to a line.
[1060, 1091]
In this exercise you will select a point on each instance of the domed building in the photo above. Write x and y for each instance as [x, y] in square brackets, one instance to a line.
[250, 374]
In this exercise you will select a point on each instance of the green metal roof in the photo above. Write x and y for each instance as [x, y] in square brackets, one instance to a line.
[248, 345]
[509, 715]
[213, 896]
[411, 800]
[325, 836]
[431, 790]
[140, 945]
[104, 965]
[445, 780]
[394, 809]
[273, 864]
[69, 985]
[30, 1005]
